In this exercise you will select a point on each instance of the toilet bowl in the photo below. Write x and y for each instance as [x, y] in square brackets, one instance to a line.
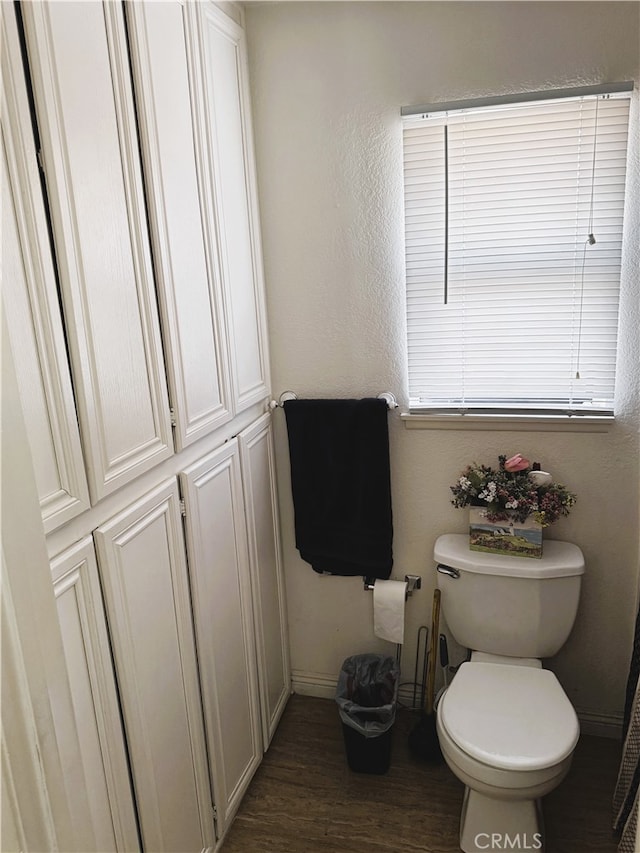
[508, 732]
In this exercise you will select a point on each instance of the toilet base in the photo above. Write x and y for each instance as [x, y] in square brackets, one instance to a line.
[488, 824]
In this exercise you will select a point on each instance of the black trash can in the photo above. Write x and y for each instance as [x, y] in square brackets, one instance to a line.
[367, 696]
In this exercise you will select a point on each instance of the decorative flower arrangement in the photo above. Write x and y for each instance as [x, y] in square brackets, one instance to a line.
[517, 490]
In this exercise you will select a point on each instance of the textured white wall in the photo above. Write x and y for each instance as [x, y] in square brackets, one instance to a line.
[328, 81]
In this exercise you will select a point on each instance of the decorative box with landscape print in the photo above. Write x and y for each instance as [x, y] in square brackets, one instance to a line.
[518, 538]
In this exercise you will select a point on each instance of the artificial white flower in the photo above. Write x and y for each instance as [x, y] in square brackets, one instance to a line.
[489, 492]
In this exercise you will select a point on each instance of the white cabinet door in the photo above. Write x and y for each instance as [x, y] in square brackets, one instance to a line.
[230, 145]
[95, 703]
[221, 595]
[261, 507]
[30, 302]
[144, 576]
[183, 226]
[80, 69]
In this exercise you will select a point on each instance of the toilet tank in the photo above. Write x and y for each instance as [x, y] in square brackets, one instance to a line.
[514, 606]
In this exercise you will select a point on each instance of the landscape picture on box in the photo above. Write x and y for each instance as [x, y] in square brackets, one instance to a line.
[520, 538]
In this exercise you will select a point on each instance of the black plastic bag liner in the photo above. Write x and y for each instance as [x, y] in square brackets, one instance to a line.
[367, 693]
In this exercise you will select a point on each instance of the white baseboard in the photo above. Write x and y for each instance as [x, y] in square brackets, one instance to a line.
[600, 725]
[324, 687]
[313, 684]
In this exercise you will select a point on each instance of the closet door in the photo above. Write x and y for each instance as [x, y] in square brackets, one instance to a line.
[80, 69]
[221, 595]
[144, 576]
[261, 508]
[95, 702]
[30, 301]
[183, 227]
[230, 146]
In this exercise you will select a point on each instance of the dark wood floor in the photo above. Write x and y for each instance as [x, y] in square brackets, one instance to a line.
[304, 798]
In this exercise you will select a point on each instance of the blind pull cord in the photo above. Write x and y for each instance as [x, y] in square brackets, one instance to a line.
[590, 241]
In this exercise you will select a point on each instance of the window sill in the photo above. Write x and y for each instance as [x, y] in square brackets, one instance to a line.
[523, 423]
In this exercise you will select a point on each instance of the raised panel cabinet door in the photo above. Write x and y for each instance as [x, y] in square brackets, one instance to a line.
[144, 577]
[28, 821]
[79, 65]
[30, 302]
[230, 145]
[95, 702]
[221, 595]
[182, 226]
[269, 598]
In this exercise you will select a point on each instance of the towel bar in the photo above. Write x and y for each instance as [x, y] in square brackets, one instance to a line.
[387, 396]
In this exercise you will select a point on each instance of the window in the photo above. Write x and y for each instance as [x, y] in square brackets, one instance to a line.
[513, 239]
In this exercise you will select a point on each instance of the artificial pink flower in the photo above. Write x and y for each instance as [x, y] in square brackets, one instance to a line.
[517, 463]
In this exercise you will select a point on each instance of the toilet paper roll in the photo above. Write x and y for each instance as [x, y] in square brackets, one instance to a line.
[388, 610]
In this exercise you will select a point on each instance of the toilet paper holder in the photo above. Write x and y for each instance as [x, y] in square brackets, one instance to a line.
[413, 582]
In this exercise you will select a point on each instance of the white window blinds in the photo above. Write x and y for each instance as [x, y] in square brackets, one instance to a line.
[513, 235]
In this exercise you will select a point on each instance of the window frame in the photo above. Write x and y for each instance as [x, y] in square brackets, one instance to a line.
[533, 416]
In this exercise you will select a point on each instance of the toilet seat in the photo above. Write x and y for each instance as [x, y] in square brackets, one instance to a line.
[509, 717]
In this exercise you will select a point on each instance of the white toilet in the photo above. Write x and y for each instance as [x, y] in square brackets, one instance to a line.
[505, 725]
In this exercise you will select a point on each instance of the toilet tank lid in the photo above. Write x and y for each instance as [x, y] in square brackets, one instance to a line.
[559, 559]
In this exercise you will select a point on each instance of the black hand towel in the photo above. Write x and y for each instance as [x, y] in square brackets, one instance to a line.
[340, 480]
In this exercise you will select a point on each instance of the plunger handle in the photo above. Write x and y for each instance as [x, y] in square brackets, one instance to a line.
[433, 649]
